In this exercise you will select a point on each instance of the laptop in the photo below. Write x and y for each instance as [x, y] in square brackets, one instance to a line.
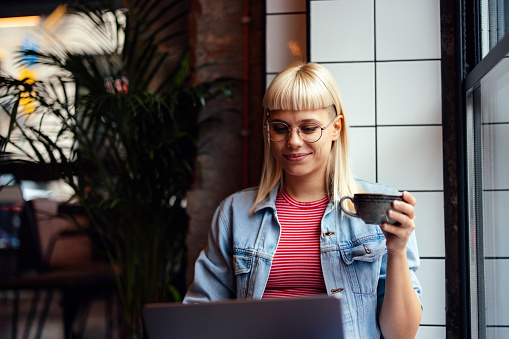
[317, 317]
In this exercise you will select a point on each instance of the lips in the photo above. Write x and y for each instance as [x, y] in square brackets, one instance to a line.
[296, 157]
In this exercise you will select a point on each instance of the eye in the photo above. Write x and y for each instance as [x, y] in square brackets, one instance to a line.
[308, 128]
[279, 128]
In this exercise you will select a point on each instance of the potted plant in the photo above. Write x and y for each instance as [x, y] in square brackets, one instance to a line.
[127, 121]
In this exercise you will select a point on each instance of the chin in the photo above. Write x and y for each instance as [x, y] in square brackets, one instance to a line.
[295, 173]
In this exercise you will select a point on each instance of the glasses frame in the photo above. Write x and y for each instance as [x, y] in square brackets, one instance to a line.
[298, 130]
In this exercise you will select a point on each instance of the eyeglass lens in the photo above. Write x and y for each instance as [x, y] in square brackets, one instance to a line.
[309, 131]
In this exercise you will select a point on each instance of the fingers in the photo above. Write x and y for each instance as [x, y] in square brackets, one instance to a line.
[404, 213]
[406, 206]
[396, 230]
[407, 224]
[409, 198]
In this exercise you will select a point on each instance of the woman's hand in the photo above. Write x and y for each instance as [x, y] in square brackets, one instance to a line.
[397, 235]
[401, 313]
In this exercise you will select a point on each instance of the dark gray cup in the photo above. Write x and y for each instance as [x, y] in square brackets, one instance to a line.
[372, 208]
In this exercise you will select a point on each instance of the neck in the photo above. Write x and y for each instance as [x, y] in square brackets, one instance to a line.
[305, 189]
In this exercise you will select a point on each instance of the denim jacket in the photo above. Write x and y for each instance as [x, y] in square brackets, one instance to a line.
[237, 259]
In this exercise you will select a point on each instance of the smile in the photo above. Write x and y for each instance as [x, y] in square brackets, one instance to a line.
[296, 157]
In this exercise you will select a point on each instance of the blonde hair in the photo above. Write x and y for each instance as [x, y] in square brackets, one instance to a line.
[307, 86]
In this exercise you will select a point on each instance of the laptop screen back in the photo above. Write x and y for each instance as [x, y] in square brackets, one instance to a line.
[295, 318]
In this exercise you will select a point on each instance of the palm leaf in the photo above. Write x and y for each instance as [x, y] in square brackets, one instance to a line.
[132, 151]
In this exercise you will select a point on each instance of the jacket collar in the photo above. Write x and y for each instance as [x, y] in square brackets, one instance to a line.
[270, 199]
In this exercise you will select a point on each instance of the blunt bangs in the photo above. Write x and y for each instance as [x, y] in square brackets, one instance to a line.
[302, 89]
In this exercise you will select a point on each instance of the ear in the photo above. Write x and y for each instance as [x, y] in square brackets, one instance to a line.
[336, 127]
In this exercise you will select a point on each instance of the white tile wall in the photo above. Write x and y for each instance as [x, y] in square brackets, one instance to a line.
[409, 93]
[407, 29]
[410, 157]
[431, 332]
[431, 275]
[356, 82]
[344, 30]
[362, 153]
[429, 230]
[286, 40]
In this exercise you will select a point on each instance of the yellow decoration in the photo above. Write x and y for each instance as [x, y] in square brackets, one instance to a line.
[27, 102]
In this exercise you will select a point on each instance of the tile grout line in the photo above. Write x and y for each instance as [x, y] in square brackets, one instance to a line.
[401, 125]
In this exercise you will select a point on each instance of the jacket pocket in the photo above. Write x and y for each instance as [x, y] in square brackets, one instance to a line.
[242, 263]
[363, 260]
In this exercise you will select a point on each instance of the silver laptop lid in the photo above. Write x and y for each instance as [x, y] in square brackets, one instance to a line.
[296, 318]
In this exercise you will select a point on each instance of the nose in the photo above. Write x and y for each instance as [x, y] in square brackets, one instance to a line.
[294, 139]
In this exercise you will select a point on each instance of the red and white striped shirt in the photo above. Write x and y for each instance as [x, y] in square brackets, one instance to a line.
[296, 268]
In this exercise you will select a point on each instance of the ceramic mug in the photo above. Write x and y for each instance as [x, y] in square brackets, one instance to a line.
[372, 208]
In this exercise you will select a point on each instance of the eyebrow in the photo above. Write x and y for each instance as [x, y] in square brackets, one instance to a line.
[301, 122]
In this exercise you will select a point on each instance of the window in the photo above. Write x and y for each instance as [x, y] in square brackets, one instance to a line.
[487, 143]
[494, 23]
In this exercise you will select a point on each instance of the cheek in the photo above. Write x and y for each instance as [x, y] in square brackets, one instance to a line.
[325, 148]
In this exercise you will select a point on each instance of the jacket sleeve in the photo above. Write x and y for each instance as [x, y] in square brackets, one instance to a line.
[413, 265]
[214, 277]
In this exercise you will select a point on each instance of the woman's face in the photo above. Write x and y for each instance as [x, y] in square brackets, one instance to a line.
[297, 157]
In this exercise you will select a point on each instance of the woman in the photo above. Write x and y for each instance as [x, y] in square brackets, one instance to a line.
[288, 237]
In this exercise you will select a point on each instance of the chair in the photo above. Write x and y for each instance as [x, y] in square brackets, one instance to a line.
[56, 255]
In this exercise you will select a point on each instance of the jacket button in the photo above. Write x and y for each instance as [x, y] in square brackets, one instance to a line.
[328, 234]
[336, 290]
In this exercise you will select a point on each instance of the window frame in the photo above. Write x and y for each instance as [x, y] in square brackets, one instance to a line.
[475, 322]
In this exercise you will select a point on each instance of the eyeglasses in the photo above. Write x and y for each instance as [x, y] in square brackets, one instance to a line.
[309, 132]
